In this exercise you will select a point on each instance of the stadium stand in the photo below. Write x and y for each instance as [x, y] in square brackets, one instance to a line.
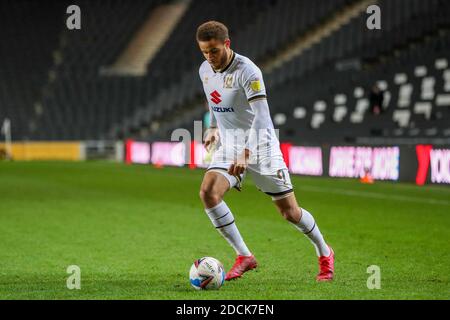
[253, 40]
[81, 102]
[339, 107]
[53, 85]
[26, 57]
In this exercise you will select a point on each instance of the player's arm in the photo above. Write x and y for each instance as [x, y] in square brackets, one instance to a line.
[212, 133]
[253, 84]
[261, 125]
[258, 134]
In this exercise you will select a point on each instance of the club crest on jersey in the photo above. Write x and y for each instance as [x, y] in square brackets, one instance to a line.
[255, 85]
[215, 97]
[228, 81]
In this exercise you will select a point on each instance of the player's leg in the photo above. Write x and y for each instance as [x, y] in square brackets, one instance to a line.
[216, 183]
[273, 178]
[213, 188]
[305, 223]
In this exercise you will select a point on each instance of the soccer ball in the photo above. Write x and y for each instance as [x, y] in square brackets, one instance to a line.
[207, 274]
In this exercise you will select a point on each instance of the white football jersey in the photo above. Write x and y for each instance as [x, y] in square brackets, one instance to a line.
[229, 92]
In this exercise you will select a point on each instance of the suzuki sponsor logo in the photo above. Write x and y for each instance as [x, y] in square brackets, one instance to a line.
[222, 109]
[215, 97]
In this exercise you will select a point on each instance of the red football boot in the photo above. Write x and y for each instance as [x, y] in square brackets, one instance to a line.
[326, 266]
[242, 264]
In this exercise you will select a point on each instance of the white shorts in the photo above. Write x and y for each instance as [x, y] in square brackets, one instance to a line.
[270, 175]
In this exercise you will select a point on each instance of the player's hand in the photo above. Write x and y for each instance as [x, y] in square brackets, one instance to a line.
[211, 138]
[240, 164]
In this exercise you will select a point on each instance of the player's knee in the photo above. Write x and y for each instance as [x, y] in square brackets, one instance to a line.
[291, 214]
[210, 197]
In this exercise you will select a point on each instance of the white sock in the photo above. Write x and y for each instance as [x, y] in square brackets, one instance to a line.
[222, 218]
[308, 226]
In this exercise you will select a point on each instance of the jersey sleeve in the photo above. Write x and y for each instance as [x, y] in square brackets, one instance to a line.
[200, 71]
[253, 83]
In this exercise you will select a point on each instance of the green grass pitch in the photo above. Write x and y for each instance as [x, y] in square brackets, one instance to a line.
[134, 231]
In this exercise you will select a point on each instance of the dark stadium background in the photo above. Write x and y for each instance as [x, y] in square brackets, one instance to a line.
[100, 85]
[115, 90]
